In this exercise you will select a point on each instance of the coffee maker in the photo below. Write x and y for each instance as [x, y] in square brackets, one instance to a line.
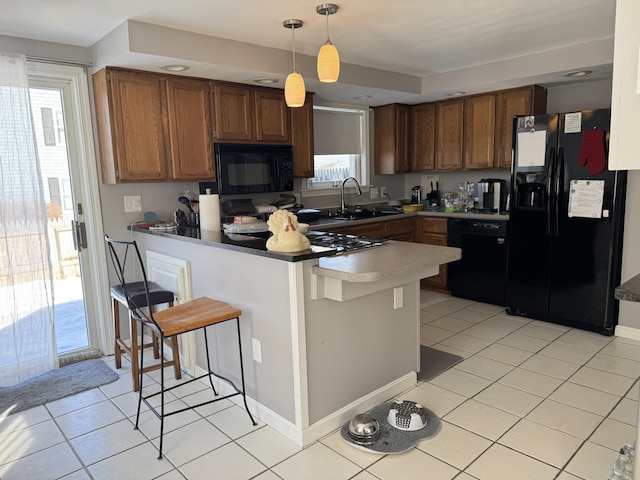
[492, 195]
[416, 194]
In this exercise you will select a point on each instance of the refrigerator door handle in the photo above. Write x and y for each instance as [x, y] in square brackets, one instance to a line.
[550, 196]
[559, 183]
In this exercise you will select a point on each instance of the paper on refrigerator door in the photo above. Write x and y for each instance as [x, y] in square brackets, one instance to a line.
[585, 198]
[531, 148]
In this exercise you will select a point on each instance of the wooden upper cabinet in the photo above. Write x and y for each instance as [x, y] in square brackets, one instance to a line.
[530, 100]
[272, 116]
[249, 114]
[449, 128]
[391, 139]
[131, 130]
[190, 130]
[402, 148]
[479, 131]
[423, 132]
[302, 139]
[152, 127]
[233, 106]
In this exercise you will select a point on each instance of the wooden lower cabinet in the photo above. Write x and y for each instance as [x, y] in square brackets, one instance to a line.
[433, 231]
[342, 229]
[402, 229]
[368, 230]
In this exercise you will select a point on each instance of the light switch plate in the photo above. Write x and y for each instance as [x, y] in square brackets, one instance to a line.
[132, 203]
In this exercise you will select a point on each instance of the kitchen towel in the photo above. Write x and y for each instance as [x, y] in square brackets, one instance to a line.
[592, 151]
[210, 212]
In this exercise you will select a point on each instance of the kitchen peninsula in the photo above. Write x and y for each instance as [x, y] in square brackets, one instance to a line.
[335, 334]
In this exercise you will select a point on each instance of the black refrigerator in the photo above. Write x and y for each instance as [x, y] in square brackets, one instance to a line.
[565, 222]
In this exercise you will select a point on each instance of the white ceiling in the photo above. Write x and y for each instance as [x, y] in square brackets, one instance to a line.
[407, 50]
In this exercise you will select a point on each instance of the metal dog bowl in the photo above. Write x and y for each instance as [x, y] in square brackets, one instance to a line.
[364, 429]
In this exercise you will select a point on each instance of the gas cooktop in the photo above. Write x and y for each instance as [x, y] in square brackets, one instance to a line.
[342, 242]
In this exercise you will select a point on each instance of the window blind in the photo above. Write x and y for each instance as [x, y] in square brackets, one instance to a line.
[337, 132]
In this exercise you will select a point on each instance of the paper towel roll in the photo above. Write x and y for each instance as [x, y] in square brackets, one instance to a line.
[210, 212]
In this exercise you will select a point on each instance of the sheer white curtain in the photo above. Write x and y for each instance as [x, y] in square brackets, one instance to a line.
[27, 339]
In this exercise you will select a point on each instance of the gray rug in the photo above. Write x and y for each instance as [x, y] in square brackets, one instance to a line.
[393, 440]
[55, 384]
[433, 362]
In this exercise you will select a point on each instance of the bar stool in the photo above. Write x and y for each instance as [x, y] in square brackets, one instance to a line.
[197, 314]
[157, 296]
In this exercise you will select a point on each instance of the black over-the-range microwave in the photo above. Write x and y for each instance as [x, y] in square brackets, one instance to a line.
[246, 168]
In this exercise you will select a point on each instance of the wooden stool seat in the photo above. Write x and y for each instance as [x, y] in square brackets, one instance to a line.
[137, 293]
[198, 313]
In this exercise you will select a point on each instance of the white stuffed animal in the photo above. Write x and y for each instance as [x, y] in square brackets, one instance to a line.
[286, 237]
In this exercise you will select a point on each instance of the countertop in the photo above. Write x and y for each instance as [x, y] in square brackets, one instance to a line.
[390, 260]
[331, 222]
[256, 244]
[252, 244]
[629, 290]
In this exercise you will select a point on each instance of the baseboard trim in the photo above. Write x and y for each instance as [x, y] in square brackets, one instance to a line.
[334, 421]
[627, 332]
[304, 437]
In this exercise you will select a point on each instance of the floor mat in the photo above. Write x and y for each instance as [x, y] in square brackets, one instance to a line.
[433, 362]
[55, 384]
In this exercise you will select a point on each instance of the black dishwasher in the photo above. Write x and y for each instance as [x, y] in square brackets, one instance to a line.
[481, 273]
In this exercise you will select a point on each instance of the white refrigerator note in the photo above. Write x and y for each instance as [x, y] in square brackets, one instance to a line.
[585, 198]
[531, 148]
[573, 122]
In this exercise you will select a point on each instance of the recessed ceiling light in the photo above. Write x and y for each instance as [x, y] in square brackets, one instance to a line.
[577, 73]
[174, 68]
[455, 94]
[362, 97]
[265, 81]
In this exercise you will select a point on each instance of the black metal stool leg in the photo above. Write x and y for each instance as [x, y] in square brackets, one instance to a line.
[244, 394]
[140, 373]
[161, 399]
[206, 348]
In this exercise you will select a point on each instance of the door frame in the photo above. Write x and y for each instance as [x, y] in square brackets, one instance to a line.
[74, 83]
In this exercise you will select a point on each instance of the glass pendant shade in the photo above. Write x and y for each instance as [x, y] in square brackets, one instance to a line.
[328, 63]
[294, 92]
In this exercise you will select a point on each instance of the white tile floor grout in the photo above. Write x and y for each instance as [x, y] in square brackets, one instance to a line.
[530, 400]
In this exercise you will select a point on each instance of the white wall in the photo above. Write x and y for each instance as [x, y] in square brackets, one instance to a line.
[580, 96]
[629, 315]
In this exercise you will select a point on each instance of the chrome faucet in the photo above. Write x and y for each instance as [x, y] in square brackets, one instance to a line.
[342, 205]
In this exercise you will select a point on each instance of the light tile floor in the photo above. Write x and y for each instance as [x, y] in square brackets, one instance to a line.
[531, 400]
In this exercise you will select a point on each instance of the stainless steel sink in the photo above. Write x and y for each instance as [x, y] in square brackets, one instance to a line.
[367, 214]
[355, 215]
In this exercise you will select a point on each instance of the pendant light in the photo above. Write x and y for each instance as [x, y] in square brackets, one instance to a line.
[294, 91]
[328, 58]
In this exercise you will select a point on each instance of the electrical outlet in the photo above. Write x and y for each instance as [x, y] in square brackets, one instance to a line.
[132, 203]
[374, 192]
[256, 350]
[383, 191]
[398, 298]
